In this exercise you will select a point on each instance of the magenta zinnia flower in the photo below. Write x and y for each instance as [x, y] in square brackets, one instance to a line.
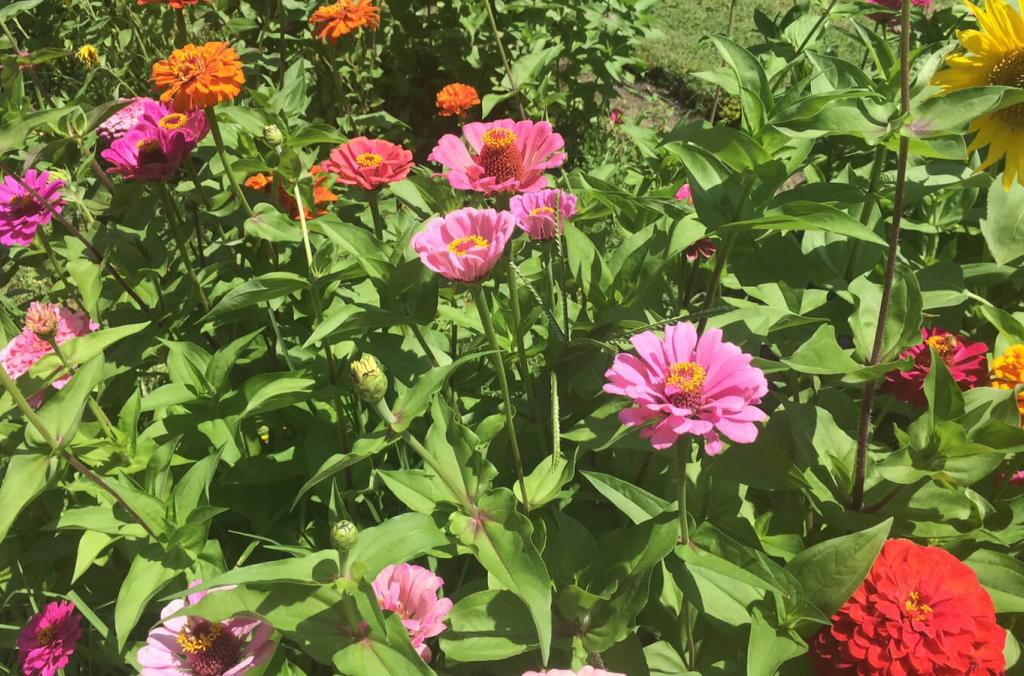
[895, 5]
[703, 248]
[585, 671]
[20, 212]
[369, 163]
[26, 348]
[193, 646]
[49, 639]
[965, 360]
[465, 244]
[411, 591]
[689, 385]
[147, 153]
[507, 156]
[685, 194]
[541, 214]
[121, 122]
[192, 126]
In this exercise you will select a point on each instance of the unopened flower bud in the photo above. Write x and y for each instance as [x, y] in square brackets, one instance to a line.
[41, 319]
[264, 434]
[368, 377]
[344, 535]
[272, 135]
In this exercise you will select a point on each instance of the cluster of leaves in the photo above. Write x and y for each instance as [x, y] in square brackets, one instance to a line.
[239, 441]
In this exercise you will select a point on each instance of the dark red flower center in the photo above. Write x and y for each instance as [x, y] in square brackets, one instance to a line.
[150, 152]
[209, 649]
[500, 157]
[916, 609]
[46, 636]
[684, 385]
[23, 205]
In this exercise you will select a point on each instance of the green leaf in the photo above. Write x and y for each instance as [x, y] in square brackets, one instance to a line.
[799, 215]
[831, 571]
[770, 646]
[62, 412]
[903, 326]
[363, 448]
[822, 355]
[150, 572]
[257, 290]
[225, 358]
[1003, 225]
[755, 96]
[357, 242]
[945, 401]
[312, 569]
[950, 112]
[272, 391]
[487, 626]
[633, 501]
[24, 479]
[397, 540]
[269, 224]
[545, 482]
[501, 539]
[79, 350]
[1003, 578]
[414, 402]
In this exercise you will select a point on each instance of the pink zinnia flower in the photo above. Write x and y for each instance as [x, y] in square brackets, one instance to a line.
[537, 213]
[704, 248]
[585, 671]
[411, 591]
[507, 156]
[895, 5]
[689, 385]
[147, 153]
[193, 646]
[49, 639]
[465, 244]
[192, 126]
[685, 194]
[121, 122]
[26, 348]
[616, 116]
[965, 360]
[20, 212]
[1017, 478]
[369, 163]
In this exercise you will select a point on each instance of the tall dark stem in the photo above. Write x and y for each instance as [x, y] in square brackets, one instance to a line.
[864, 427]
[504, 58]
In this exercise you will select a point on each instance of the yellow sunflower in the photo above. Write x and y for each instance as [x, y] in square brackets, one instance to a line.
[994, 56]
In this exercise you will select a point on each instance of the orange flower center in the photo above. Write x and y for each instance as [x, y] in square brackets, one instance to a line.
[547, 211]
[173, 121]
[499, 157]
[945, 345]
[369, 160]
[23, 205]
[463, 245]
[47, 636]
[187, 63]
[684, 385]
[916, 610]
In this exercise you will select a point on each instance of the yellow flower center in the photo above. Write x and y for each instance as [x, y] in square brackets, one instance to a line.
[1009, 72]
[173, 121]
[686, 380]
[945, 345]
[198, 639]
[369, 160]
[499, 138]
[915, 609]
[463, 245]
[547, 211]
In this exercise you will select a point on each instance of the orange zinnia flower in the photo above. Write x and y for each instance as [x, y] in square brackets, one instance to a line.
[199, 77]
[322, 194]
[330, 22]
[173, 4]
[456, 99]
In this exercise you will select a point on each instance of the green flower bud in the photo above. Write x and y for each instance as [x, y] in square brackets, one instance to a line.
[272, 135]
[344, 535]
[369, 379]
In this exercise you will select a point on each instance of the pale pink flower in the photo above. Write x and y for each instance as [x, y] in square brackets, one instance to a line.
[689, 385]
[465, 244]
[193, 646]
[585, 671]
[119, 124]
[685, 194]
[411, 591]
[48, 640]
[537, 213]
[26, 348]
[20, 212]
[503, 156]
[369, 163]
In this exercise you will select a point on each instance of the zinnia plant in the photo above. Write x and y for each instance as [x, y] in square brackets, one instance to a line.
[336, 20]
[21, 212]
[964, 359]
[503, 156]
[411, 592]
[48, 641]
[920, 611]
[542, 215]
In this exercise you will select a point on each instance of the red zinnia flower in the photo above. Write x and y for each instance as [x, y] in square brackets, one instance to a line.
[920, 611]
[369, 163]
[965, 361]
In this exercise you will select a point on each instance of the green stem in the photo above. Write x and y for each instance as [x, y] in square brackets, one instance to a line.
[58, 270]
[422, 340]
[504, 58]
[378, 222]
[218, 139]
[36, 421]
[865, 210]
[682, 451]
[179, 22]
[517, 332]
[172, 220]
[101, 417]
[499, 366]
